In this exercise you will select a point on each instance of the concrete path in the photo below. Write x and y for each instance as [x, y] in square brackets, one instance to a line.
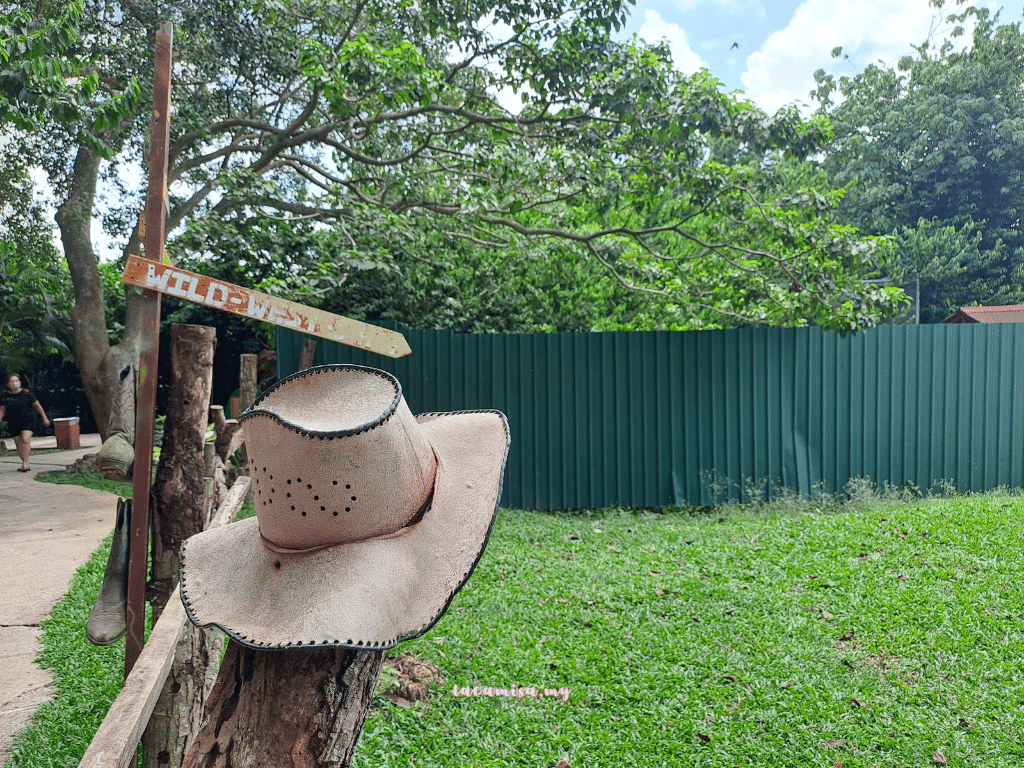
[47, 532]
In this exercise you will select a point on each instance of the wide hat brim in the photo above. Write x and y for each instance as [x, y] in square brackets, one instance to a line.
[372, 593]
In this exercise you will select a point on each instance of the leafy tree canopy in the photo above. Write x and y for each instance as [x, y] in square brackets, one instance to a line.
[932, 152]
[381, 116]
[34, 282]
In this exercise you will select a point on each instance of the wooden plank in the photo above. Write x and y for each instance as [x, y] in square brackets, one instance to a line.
[261, 306]
[236, 442]
[117, 740]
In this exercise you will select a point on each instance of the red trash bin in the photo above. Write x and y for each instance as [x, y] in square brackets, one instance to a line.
[66, 432]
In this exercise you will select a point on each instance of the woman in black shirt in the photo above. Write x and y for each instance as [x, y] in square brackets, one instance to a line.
[16, 406]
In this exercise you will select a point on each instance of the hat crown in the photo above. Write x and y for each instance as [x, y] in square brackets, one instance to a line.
[335, 456]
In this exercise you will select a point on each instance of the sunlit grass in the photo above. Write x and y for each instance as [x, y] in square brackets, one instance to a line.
[874, 635]
[878, 633]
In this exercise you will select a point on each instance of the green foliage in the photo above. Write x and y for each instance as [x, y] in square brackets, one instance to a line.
[34, 282]
[932, 153]
[318, 145]
[47, 79]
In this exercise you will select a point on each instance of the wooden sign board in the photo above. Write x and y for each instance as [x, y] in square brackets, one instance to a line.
[166, 279]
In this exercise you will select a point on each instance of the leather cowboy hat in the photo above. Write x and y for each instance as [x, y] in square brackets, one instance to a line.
[368, 520]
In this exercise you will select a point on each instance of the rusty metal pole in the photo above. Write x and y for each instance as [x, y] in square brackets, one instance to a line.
[149, 347]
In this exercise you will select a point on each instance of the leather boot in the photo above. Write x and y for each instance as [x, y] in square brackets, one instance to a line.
[117, 454]
[108, 619]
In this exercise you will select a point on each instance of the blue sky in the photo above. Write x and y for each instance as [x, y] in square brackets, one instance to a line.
[780, 43]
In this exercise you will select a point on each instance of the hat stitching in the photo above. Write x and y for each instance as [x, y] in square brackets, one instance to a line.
[254, 410]
[183, 587]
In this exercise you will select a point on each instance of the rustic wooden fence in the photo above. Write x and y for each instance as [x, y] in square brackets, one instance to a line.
[116, 743]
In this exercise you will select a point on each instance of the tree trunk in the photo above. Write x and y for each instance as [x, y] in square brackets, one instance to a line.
[98, 361]
[178, 504]
[286, 708]
[247, 381]
[179, 489]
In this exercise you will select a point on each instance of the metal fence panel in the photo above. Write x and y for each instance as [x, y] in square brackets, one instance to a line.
[651, 419]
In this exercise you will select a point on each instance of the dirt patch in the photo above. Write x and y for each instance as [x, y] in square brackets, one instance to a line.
[83, 464]
[407, 678]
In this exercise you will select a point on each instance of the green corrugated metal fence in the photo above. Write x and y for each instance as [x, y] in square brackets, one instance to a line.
[660, 418]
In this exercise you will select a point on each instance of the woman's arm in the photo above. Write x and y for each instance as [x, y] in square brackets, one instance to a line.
[39, 409]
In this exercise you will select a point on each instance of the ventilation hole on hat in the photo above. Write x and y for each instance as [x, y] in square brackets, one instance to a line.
[289, 494]
[353, 498]
[293, 507]
[264, 469]
[271, 477]
[298, 479]
[334, 482]
[348, 487]
[270, 501]
[335, 514]
[309, 486]
[316, 498]
[277, 565]
[323, 509]
[289, 481]
[303, 513]
[348, 509]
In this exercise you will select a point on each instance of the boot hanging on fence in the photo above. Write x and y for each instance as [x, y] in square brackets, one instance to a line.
[117, 453]
[107, 621]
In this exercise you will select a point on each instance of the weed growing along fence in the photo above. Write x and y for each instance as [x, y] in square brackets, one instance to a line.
[663, 418]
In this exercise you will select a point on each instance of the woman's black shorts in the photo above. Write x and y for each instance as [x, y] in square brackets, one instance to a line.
[17, 427]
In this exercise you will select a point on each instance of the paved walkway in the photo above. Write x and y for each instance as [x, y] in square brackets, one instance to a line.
[47, 532]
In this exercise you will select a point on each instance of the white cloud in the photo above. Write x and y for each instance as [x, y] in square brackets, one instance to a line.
[782, 72]
[655, 28]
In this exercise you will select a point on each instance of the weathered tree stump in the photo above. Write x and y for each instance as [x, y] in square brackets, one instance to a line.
[179, 511]
[179, 490]
[303, 708]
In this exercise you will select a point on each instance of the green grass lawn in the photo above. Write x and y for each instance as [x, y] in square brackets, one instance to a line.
[876, 634]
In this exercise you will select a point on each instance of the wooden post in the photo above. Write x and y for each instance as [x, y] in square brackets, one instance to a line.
[225, 430]
[149, 346]
[179, 490]
[247, 381]
[179, 507]
[286, 707]
[308, 353]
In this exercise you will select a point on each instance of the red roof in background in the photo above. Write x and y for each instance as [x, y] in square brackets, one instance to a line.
[1010, 313]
